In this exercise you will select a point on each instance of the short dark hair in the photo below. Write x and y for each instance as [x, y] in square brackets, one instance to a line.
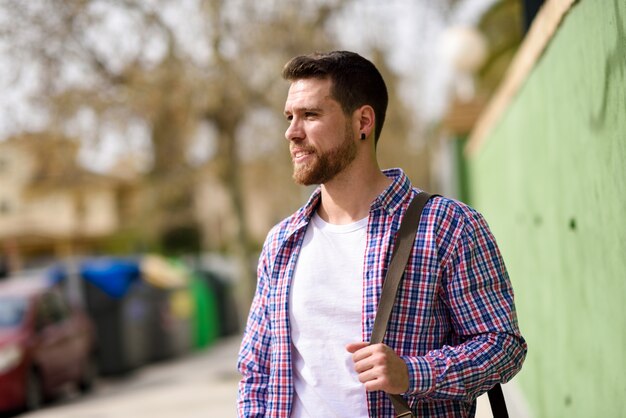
[355, 81]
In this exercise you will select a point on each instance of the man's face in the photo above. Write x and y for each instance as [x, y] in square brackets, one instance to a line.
[321, 137]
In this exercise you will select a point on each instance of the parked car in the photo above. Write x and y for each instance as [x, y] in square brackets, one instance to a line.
[45, 344]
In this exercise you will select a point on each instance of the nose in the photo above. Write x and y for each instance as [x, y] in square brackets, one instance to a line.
[294, 132]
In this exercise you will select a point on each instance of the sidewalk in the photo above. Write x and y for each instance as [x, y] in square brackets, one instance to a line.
[200, 385]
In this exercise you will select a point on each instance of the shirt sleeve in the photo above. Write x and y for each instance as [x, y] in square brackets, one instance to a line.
[477, 291]
[254, 355]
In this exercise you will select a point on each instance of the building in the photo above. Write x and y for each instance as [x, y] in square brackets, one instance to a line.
[49, 205]
[547, 168]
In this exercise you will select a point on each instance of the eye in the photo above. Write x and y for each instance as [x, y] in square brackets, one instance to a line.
[310, 115]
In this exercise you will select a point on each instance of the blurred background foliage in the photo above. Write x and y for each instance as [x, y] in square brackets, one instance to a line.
[174, 109]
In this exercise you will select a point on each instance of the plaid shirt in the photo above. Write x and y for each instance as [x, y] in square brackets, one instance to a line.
[454, 320]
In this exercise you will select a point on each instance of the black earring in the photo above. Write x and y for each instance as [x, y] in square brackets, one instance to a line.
[362, 135]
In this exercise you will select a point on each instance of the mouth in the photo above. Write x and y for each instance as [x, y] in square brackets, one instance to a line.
[298, 155]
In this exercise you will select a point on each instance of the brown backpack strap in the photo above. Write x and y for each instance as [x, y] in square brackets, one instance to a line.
[399, 258]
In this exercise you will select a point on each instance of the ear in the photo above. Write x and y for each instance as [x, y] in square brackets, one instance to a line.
[366, 119]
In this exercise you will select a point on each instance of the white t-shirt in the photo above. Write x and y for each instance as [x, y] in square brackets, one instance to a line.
[325, 315]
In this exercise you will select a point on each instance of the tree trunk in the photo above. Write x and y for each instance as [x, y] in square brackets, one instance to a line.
[230, 173]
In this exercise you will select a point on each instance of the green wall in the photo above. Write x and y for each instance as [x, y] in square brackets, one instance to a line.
[551, 181]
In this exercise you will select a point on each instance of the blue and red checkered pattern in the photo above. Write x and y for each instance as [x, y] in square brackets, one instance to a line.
[454, 321]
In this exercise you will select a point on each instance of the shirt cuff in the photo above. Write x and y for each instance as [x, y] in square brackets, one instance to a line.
[421, 376]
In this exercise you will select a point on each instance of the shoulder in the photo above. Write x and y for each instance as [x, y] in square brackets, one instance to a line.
[294, 222]
[447, 213]
[279, 232]
[283, 231]
[452, 221]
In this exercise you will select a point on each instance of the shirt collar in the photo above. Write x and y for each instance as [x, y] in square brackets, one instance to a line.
[395, 194]
[389, 200]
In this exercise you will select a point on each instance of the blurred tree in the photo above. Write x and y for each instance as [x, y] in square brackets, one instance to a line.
[179, 74]
[169, 68]
[503, 27]
[396, 147]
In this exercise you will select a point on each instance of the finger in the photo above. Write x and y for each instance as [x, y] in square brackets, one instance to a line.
[374, 385]
[362, 355]
[369, 357]
[354, 347]
[375, 379]
[367, 375]
[374, 361]
[363, 365]
[380, 347]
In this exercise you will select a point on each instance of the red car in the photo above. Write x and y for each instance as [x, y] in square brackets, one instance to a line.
[44, 344]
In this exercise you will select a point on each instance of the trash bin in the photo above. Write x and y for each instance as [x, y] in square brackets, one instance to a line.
[170, 325]
[206, 322]
[135, 311]
[226, 307]
[117, 302]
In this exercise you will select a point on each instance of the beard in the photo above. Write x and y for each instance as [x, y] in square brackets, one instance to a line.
[326, 165]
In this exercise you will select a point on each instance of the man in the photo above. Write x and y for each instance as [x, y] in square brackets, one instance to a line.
[453, 332]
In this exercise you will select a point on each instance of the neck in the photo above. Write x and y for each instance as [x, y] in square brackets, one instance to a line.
[347, 197]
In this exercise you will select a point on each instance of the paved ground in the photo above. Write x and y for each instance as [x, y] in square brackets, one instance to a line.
[199, 385]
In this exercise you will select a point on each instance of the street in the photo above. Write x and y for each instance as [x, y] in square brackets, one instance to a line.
[201, 384]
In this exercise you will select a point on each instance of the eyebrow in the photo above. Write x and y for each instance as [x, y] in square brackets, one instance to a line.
[304, 109]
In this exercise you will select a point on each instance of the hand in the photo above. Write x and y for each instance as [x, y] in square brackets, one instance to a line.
[379, 368]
